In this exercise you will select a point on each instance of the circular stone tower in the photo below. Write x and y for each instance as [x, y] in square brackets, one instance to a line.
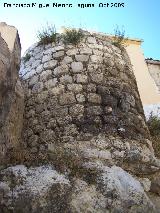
[85, 96]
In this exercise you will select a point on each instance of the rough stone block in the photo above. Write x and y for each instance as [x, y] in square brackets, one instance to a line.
[49, 51]
[39, 68]
[82, 58]
[72, 52]
[45, 75]
[38, 87]
[94, 98]
[109, 61]
[71, 129]
[42, 96]
[66, 79]
[94, 110]
[51, 83]
[67, 98]
[58, 48]
[33, 80]
[86, 51]
[91, 88]
[60, 112]
[108, 110]
[58, 54]
[63, 69]
[35, 64]
[67, 60]
[50, 64]
[64, 121]
[98, 52]
[76, 110]
[96, 77]
[57, 90]
[77, 67]
[37, 57]
[80, 78]
[91, 40]
[130, 99]
[96, 59]
[46, 58]
[76, 88]
[80, 98]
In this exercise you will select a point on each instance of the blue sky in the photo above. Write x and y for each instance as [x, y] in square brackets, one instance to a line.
[140, 19]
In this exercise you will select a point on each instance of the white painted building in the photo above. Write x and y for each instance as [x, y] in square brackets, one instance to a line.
[147, 73]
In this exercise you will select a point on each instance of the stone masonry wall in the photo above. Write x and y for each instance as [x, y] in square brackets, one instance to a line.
[77, 92]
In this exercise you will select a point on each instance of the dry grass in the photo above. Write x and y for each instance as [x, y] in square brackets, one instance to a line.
[47, 35]
[72, 36]
[119, 37]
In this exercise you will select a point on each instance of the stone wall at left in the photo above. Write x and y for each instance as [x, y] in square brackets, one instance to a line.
[11, 92]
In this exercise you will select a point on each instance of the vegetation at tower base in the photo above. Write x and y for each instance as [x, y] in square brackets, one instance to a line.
[86, 146]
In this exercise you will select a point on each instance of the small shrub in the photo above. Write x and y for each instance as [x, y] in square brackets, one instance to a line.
[26, 57]
[73, 36]
[154, 128]
[154, 125]
[47, 35]
[119, 36]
